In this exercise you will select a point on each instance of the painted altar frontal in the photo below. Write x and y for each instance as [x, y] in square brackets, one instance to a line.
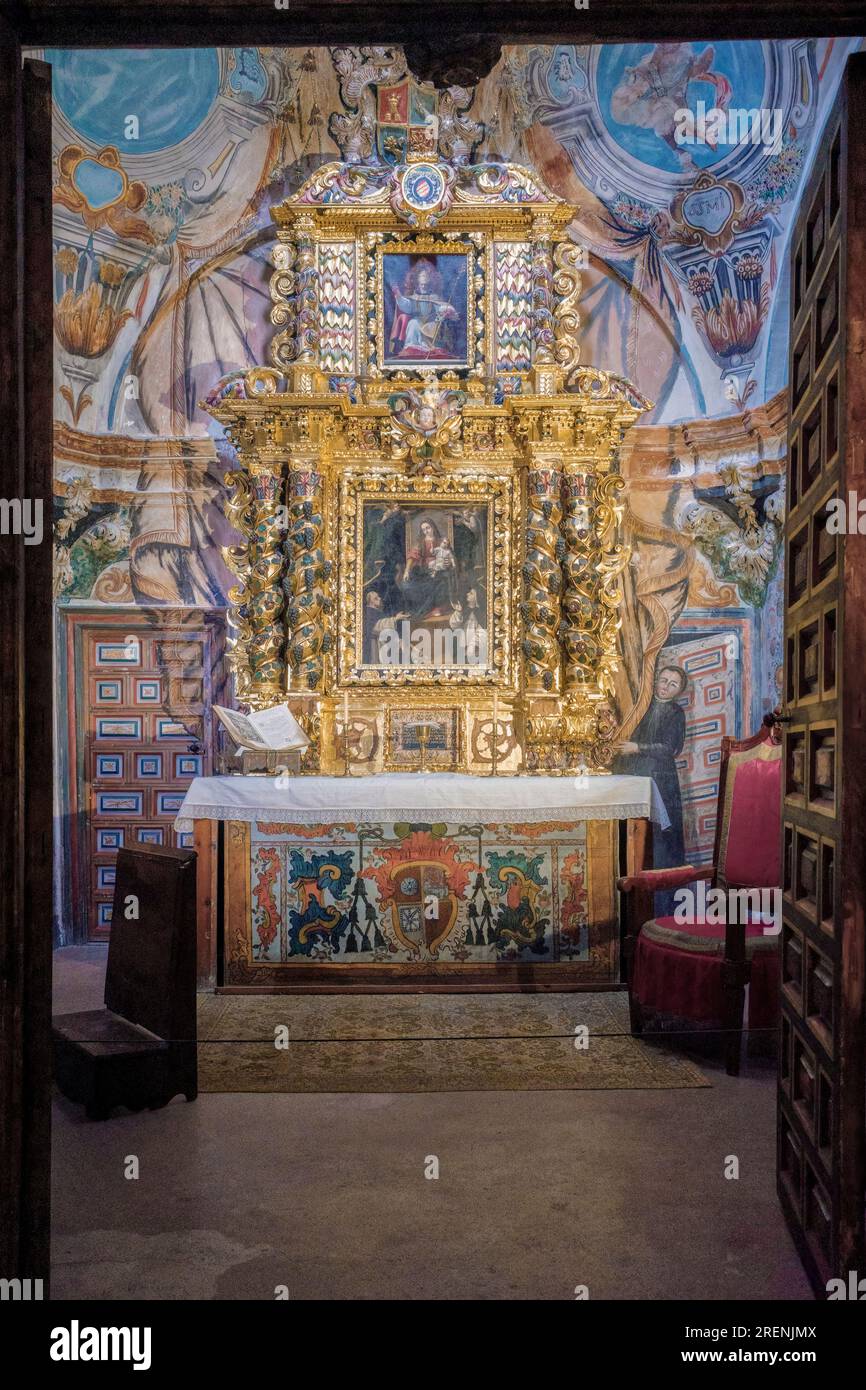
[408, 881]
[395, 896]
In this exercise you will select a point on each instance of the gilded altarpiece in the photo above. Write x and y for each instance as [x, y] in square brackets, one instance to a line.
[428, 498]
[428, 488]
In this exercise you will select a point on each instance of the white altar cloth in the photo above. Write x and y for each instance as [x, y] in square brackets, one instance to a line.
[396, 796]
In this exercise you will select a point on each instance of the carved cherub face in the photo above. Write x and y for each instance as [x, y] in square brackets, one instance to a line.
[430, 394]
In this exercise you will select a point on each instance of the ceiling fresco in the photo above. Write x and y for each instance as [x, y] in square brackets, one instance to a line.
[168, 162]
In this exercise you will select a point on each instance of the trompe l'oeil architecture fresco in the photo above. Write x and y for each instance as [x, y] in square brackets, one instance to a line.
[535, 328]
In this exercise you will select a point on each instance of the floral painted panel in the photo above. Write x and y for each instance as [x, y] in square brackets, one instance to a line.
[418, 894]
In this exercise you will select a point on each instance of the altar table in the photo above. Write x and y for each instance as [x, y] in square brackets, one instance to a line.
[414, 881]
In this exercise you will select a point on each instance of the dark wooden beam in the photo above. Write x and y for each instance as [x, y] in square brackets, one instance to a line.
[36, 924]
[12, 1100]
[194, 23]
[26, 683]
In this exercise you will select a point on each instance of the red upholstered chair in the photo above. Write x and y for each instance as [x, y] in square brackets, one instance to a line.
[682, 976]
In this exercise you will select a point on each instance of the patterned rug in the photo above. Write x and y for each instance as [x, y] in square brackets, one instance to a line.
[430, 1042]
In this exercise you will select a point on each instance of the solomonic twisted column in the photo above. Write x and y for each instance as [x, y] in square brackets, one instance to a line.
[579, 630]
[542, 296]
[306, 295]
[592, 565]
[258, 602]
[307, 574]
[542, 582]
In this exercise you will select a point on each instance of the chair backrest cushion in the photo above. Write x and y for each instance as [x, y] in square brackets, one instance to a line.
[750, 848]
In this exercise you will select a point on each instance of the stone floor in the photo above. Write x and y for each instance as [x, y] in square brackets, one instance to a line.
[537, 1192]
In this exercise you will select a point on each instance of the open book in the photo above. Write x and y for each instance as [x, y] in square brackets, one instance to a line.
[274, 730]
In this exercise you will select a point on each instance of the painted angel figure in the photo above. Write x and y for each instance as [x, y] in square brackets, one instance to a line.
[650, 93]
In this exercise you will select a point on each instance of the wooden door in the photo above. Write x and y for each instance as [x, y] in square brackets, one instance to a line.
[823, 1038]
[140, 694]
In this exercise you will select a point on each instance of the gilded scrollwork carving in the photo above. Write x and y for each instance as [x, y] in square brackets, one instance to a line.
[587, 731]
[612, 559]
[568, 258]
[282, 287]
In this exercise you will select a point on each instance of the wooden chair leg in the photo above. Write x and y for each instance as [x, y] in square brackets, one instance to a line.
[636, 915]
[735, 977]
[638, 905]
[630, 944]
[635, 1013]
[733, 1050]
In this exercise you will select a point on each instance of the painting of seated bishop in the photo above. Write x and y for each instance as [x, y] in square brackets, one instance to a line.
[425, 307]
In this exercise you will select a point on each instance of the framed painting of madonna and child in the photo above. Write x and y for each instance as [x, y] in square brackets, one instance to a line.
[425, 589]
[425, 585]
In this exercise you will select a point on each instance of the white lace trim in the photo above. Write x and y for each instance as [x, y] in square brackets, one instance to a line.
[487, 815]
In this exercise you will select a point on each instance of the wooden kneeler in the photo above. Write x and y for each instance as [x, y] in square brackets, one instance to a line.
[140, 1050]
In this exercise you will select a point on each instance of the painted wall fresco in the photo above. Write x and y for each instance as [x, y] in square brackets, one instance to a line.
[166, 165]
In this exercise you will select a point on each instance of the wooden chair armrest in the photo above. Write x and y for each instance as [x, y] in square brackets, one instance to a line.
[662, 880]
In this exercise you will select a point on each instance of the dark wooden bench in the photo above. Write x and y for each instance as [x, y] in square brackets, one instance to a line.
[140, 1050]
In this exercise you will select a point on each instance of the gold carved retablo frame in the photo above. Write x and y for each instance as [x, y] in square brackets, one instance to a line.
[425, 452]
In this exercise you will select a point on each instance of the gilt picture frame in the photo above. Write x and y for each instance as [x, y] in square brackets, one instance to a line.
[424, 580]
[427, 301]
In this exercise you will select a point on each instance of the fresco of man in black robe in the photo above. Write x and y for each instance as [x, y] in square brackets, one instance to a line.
[652, 751]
